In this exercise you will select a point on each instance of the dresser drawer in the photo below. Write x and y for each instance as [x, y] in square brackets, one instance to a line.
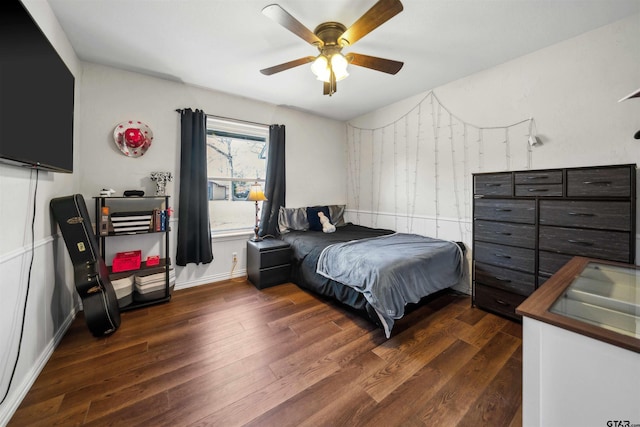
[612, 245]
[603, 215]
[599, 182]
[539, 190]
[509, 280]
[505, 233]
[520, 211]
[538, 183]
[538, 177]
[505, 256]
[493, 184]
[550, 262]
[497, 300]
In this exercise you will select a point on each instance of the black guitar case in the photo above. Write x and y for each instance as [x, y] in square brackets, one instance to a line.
[99, 300]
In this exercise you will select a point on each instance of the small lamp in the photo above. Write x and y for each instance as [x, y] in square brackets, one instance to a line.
[533, 139]
[634, 94]
[256, 195]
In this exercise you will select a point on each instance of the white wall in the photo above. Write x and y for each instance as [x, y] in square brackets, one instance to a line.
[314, 149]
[52, 302]
[571, 90]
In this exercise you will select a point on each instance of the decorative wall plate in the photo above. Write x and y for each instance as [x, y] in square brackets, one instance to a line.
[133, 138]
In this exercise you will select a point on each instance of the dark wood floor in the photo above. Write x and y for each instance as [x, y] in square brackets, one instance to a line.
[227, 354]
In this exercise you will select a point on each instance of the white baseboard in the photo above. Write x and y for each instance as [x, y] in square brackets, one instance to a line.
[205, 280]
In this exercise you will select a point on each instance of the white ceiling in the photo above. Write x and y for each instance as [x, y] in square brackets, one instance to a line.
[222, 44]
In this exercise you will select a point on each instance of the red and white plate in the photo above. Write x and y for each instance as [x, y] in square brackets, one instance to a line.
[133, 138]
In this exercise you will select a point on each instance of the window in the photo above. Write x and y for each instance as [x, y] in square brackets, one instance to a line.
[236, 158]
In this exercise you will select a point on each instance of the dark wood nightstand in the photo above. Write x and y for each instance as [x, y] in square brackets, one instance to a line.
[268, 262]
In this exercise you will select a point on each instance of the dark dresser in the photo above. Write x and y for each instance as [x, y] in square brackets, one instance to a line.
[528, 224]
[268, 262]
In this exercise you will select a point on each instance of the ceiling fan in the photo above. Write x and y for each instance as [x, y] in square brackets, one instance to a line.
[330, 38]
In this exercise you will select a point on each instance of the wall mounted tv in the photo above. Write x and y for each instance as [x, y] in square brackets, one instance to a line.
[36, 96]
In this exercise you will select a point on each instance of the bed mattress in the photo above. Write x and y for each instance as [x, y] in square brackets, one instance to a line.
[308, 246]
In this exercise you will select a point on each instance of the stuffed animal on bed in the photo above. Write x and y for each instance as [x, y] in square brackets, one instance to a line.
[327, 227]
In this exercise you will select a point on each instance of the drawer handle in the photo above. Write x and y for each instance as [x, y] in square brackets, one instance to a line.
[501, 302]
[581, 214]
[537, 177]
[503, 279]
[503, 210]
[538, 190]
[502, 256]
[580, 242]
[493, 184]
[597, 182]
[503, 233]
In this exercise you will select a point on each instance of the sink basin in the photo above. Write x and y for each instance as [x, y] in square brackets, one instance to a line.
[606, 296]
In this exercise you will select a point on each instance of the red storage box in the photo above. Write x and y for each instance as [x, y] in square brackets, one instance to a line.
[153, 260]
[125, 261]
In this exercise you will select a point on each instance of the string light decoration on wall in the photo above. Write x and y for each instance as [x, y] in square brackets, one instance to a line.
[415, 172]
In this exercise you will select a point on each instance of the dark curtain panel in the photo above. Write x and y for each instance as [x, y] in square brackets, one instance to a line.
[194, 231]
[275, 186]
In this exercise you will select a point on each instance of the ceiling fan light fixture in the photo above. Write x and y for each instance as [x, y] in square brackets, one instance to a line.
[320, 67]
[323, 66]
[339, 66]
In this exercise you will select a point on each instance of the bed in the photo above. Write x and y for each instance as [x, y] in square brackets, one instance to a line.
[374, 271]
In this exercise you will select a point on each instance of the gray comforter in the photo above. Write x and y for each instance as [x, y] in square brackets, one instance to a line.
[393, 270]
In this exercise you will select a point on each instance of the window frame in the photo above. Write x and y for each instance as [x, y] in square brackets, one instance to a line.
[236, 129]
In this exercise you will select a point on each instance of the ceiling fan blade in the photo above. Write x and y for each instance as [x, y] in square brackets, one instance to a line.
[284, 18]
[291, 64]
[379, 64]
[380, 13]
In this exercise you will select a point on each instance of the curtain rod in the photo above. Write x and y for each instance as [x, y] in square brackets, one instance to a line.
[180, 110]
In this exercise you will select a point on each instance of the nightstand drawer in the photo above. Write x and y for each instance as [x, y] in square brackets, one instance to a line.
[272, 276]
[268, 253]
[275, 257]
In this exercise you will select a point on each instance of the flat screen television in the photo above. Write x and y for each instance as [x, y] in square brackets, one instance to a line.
[36, 96]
